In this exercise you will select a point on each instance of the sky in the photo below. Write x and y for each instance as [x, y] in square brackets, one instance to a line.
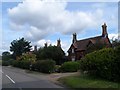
[41, 21]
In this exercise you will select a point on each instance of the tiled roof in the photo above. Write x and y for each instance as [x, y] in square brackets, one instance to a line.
[82, 44]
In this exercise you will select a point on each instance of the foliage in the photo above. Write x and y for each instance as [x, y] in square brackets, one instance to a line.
[115, 43]
[16, 63]
[6, 56]
[102, 63]
[5, 63]
[51, 52]
[25, 64]
[45, 66]
[21, 64]
[27, 57]
[25, 60]
[70, 67]
[20, 46]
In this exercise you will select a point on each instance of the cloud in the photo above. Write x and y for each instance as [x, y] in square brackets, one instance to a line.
[113, 36]
[43, 18]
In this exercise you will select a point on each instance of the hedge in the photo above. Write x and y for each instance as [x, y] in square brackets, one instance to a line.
[45, 66]
[70, 67]
[103, 63]
[21, 64]
[5, 63]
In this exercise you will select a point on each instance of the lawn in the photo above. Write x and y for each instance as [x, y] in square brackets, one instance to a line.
[83, 81]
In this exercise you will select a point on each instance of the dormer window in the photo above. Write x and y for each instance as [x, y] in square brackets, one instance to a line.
[72, 50]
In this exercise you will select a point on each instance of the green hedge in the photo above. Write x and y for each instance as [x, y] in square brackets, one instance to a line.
[70, 67]
[5, 63]
[15, 63]
[25, 64]
[103, 63]
[45, 66]
[21, 64]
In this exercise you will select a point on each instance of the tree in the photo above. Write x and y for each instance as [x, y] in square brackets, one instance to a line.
[6, 55]
[20, 46]
[27, 57]
[115, 43]
[51, 52]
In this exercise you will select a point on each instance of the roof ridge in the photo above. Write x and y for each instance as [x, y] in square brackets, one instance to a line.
[89, 38]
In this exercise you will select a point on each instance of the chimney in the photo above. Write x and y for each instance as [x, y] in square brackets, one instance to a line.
[74, 38]
[35, 48]
[104, 30]
[46, 45]
[58, 43]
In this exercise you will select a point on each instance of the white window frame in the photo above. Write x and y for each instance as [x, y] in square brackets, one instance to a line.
[73, 50]
[73, 58]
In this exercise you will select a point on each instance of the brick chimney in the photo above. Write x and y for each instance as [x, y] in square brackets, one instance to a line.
[74, 37]
[58, 43]
[46, 45]
[104, 30]
[35, 48]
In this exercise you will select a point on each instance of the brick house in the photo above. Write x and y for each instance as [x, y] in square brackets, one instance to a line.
[78, 48]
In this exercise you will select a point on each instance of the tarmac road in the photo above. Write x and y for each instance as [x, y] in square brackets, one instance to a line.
[19, 79]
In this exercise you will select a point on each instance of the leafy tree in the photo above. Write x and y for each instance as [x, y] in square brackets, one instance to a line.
[20, 46]
[51, 52]
[115, 43]
[27, 57]
[6, 55]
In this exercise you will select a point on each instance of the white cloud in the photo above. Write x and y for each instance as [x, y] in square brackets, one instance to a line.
[113, 36]
[43, 18]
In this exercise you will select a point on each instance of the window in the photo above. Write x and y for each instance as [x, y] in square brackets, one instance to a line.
[73, 58]
[72, 50]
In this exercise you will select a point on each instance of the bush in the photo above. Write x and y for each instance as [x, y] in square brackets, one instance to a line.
[27, 57]
[5, 63]
[25, 64]
[70, 67]
[21, 64]
[45, 66]
[16, 63]
[102, 63]
[24, 61]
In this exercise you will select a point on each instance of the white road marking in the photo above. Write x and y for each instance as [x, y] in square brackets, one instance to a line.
[10, 79]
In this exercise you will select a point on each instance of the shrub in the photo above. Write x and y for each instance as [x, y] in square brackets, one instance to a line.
[102, 63]
[25, 64]
[45, 66]
[24, 61]
[5, 63]
[27, 57]
[16, 63]
[70, 67]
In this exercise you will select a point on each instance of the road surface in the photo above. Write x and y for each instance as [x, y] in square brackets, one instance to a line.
[18, 78]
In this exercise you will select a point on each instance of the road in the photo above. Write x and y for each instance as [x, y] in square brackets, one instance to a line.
[18, 78]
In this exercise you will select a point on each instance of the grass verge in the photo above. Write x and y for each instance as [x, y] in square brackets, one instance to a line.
[84, 81]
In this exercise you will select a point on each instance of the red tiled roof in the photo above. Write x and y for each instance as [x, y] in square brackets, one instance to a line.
[82, 44]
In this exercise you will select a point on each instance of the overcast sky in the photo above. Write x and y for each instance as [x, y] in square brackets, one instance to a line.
[40, 21]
